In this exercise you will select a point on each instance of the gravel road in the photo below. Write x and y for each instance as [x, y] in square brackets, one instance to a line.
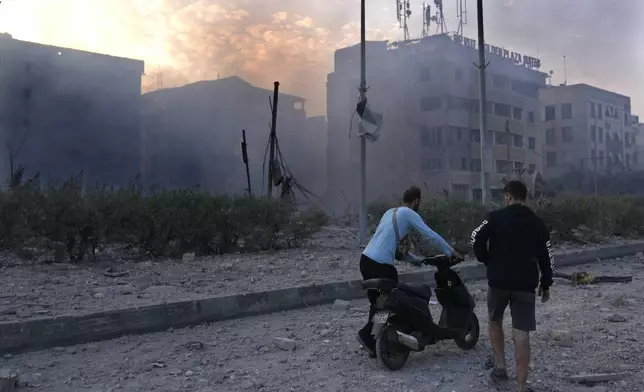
[583, 329]
[30, 291]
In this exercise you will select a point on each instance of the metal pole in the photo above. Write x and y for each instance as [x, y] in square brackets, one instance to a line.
[362, 227]
[507, 151]
[271, 155]
[482, 104]
[245, 159]
[596, 156]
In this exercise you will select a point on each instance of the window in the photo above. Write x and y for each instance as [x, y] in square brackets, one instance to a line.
[489, 137]
[517, 113]
[428, 104]
[628, 139]
[550, 113]
[532, 167]
[592, 110]
[532, 143]
[425, 74]
[477, 195]
[500, 138]
[566, 157]
[475, 165]
[551, 159]
[600, 132]
[458, 103]
[458, 74]
[431, 137]
[500, 81]
[518, 140]
[464, 164]
[593, 157]
[518, 166]
[475, 136]
[550, 136]
[600, 157]
[566, 134]
[475, 106]
[531, 117]
[502, 109]
[432, 164]
[599, 111]
[566, 111]
[501, 166]
[593, 133]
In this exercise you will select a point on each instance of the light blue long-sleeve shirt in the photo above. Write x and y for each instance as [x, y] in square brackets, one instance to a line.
[382, 246]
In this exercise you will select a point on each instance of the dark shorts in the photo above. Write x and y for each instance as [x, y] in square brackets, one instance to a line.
[522, 307]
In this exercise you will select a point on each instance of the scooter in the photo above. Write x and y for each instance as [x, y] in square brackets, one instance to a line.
[404, 323]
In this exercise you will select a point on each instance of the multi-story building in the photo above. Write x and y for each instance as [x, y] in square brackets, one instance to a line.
[64, 111]
[428, 92]
[586, 128]
[193, 135]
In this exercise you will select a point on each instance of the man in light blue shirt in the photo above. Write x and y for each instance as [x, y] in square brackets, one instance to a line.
[377, 259]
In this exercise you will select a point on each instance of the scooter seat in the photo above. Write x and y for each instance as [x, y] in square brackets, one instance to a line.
[423, 291]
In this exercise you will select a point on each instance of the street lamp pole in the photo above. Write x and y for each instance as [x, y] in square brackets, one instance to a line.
[362, 227]
[485, 167]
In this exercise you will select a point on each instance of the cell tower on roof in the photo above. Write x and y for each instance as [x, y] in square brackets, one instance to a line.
[441, 27]
[427, 19]
[403, 12]
[461, 13]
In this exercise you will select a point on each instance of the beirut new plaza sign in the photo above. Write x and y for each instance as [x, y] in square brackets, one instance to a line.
[527, 61]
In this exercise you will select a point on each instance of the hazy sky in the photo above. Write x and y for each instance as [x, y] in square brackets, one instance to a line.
[293, 40]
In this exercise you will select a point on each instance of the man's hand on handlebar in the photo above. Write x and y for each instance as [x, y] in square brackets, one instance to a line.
[456, 258]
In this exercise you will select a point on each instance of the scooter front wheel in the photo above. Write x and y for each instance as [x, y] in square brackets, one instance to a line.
[471, 337]
[392, 354]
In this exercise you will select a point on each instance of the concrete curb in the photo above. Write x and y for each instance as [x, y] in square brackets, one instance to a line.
[44, 333]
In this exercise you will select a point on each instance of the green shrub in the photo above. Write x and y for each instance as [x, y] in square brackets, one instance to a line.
[157, 224]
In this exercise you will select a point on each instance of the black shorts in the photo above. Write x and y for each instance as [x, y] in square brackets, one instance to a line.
[522, 307]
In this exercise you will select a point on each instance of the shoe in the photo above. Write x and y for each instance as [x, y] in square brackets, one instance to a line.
[499, 375]
[367, 341]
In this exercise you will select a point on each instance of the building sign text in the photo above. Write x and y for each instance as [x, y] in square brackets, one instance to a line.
[527, 61]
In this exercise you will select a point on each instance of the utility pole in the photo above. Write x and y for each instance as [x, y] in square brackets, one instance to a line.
[485, 150]
[362, 224]
[245, 159]
[596, 168]
[271, 155]
[508, 138]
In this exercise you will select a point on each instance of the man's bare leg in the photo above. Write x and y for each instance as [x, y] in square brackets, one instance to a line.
[522, 355]
[498, 343]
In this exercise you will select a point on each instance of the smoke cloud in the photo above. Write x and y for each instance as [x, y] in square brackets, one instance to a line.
[293, 41]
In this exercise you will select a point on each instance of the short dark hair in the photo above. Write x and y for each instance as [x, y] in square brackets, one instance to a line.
[411, 194]
[517, 190]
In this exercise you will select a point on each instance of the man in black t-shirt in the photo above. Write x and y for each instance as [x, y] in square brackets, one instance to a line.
[514, 244]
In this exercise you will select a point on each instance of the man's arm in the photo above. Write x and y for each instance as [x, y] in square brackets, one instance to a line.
[479, 240]
[416, 222]
[545, 256]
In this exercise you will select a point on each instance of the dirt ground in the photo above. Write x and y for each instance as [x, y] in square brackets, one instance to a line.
[43, 290]
[590, 329]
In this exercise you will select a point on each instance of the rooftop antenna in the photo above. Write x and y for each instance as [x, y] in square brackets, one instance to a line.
[403, 12]
[565, 71]
[461, 13]
[427, 18]
[441, 27]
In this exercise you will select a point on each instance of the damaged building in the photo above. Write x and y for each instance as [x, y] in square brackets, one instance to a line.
[65, 111]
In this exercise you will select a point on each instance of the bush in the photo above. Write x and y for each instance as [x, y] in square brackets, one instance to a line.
[157, 224]
[584, 219]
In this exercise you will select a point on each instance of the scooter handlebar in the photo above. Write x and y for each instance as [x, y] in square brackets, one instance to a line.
[441, 261]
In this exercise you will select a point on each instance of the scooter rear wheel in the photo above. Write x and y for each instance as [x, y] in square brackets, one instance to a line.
[471, 337]
[391, 354]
